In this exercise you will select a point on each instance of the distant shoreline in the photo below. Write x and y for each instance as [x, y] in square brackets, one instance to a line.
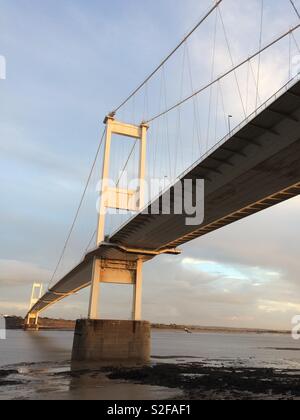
[49, 324]
[218, 330]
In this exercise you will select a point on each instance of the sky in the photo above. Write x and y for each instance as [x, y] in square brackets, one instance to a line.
[68, 64]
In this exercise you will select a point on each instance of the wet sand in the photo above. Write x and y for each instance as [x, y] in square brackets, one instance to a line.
[44, 381]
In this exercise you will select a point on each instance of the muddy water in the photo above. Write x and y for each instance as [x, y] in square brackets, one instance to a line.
[41, 369]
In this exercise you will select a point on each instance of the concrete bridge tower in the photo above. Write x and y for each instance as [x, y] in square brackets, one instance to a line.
[99, 340]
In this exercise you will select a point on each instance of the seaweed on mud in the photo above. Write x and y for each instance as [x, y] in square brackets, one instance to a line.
[4, 378]
[6, 373]
[192, 377]
[11, 383]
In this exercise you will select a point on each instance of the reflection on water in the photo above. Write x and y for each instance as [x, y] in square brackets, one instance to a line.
[253, 350]
[35, 347]
[248, 349]
[40, 360]
[55, 381]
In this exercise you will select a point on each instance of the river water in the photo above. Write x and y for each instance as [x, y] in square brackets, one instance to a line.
[41, 359]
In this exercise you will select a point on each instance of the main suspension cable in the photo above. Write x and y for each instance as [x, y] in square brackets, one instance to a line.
[295, 8]
[197, 92]
[259, 56]
[203, 19]
[78, 210]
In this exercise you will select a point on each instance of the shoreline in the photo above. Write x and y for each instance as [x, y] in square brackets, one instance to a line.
[49, 324]
[218, 330]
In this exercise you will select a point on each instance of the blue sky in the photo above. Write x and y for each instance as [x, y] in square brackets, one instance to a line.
[68, 64]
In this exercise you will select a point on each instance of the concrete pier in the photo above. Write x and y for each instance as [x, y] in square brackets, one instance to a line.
[112, 341]
[31, 327]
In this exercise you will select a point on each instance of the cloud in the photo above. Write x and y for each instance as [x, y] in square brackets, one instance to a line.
[238, 271]
[242, 271]
[18, 273]
[13, 308]
[270, 306]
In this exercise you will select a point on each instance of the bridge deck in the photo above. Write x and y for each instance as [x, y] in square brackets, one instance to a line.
[255, 168]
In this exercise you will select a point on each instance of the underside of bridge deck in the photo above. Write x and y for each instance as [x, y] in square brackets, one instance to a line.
[256, 167]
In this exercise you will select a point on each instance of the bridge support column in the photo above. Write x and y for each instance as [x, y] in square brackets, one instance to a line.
[95, 289]
[119, 273]
[109, 341]
[32, 322]
[137, 294]
[32, 319]
[99, 340]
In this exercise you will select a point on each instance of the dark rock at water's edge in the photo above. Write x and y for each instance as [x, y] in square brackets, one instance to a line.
[5, 378]
[14, 323]
[7, 372]
[202, 382]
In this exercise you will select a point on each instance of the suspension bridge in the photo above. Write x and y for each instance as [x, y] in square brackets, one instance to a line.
[245, 169]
